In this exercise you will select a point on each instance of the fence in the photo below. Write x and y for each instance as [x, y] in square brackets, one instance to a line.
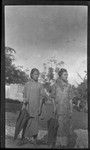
[14, 91]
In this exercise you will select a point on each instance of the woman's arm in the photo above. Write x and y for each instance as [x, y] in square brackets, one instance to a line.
[53, 96]
[40, 108]
[25, 99]
[71, 107]
[53, 92]
[43, 98]
[70, 97]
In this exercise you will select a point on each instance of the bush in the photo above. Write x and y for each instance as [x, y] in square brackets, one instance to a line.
[8, 100]
[12, 105]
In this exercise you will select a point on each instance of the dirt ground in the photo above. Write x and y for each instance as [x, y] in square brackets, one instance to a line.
[79, 121]
[9, 143]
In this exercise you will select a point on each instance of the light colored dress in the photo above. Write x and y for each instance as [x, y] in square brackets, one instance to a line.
[61, 92]
[33, 93]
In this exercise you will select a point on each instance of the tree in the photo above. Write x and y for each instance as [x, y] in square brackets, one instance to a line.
[42, 77]
[51, 67]
[13, 74]
[81, 92]
[50, 74]
[9, 67]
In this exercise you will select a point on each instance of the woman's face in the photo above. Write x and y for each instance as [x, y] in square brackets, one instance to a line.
[35, 75]
[64, 76]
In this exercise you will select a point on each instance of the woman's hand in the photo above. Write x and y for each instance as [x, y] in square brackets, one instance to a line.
[24, 105]
[70, 115]
[39, 112]
[55, 111]
[44, 100]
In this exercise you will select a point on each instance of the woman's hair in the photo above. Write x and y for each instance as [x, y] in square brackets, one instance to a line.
[61, 71]
[32, 71]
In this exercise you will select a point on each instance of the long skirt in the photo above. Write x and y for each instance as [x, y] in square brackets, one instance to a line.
[64, 128]
[32, 127]
[64, 125]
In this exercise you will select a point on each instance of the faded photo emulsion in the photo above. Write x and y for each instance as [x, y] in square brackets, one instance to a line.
[46, 103]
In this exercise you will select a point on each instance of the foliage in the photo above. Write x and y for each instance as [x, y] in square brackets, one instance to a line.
[81, 93]
[51, 67]
[47, 86]
[15, 74]
[50, 74]
[12, 73]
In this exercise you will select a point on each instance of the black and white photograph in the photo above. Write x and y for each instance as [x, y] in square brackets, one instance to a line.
[46, 104]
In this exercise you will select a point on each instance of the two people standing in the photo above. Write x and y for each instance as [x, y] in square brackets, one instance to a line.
[33, 99]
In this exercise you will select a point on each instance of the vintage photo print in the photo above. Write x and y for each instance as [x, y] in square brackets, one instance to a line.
[46, 103]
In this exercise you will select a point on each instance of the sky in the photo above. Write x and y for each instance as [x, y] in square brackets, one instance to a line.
[40, 32]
